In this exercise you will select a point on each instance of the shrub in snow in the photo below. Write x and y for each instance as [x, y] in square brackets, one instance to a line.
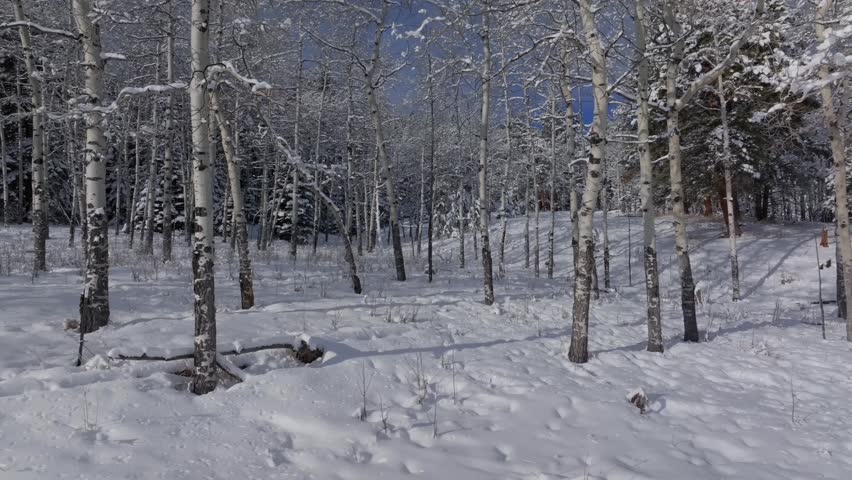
[638, 398]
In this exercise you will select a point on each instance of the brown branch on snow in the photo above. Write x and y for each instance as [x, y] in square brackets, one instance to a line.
[304, 353]
[187, 356]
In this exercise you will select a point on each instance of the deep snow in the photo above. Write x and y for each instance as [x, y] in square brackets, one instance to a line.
[762, 397]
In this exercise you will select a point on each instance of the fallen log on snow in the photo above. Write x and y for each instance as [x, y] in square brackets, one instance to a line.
[188, 356]
[304, 353]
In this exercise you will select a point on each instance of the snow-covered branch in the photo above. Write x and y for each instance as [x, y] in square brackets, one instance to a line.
[40, 28]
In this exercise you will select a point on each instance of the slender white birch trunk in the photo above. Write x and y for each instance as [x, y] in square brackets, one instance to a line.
[5, 184]
[348, 254]
[294, 195]
[369, 217]
[474, 220]
[349, 191]
[461, 227]
[276, 194]
[422, 212]
[94, 302]
[128, 190]
[674, 105]
[204, 380]
[359, 232]
[605, 212]
[75, 216]
[504, 217]
[527, 202]
[45, 138]
[318, 141]
[39, 174]
[168, 208]
[245, 275]
[188, 183]
[461, 195]
[151, 189]
[120, 175]
[838, 152]
[690, 322]
[264, 202]
[533, 168]
[388, 175]
[429, 228]
[579, 349]
[570, 147]
[72, 218]
[727, 162]
[20, 112]
[551, 246]
[646, 190]
[131, 207]
[79, 180]
[488, 279]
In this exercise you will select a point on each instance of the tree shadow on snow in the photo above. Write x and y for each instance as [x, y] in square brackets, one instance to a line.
[344, 352]
[774, 268]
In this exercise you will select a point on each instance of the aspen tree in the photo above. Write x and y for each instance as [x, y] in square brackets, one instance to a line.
[94, 302]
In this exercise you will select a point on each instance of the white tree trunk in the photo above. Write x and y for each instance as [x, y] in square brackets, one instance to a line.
[527, 203]
[388, 175]
[579, 349]
[79, 180]
[673, 106]
[727, 161]
[646, 190]
[690, 322]
[245, 276]
[504, 218]
[94, 302]
[368, 215]
[264, 202]
[294, 195]
[39, 174]
[422, 206]
[78, 199]
[349, 191]
[359, 232]
[131, 207]
[318, 142]
[72, 218]
[461, 195]
[20, 212]
[204, 380]
[5, 180]
[188, 184]
[570, 147]
[121, 175]
[838, 151]
[429, 228]
[605, 211]
[45, 138]
[461, 215]
[151, 188]
[551, 245]
[488, 279]
[533, 168]
[168, 208]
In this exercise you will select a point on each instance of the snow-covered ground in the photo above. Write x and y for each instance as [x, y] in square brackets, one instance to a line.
[455, 389]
